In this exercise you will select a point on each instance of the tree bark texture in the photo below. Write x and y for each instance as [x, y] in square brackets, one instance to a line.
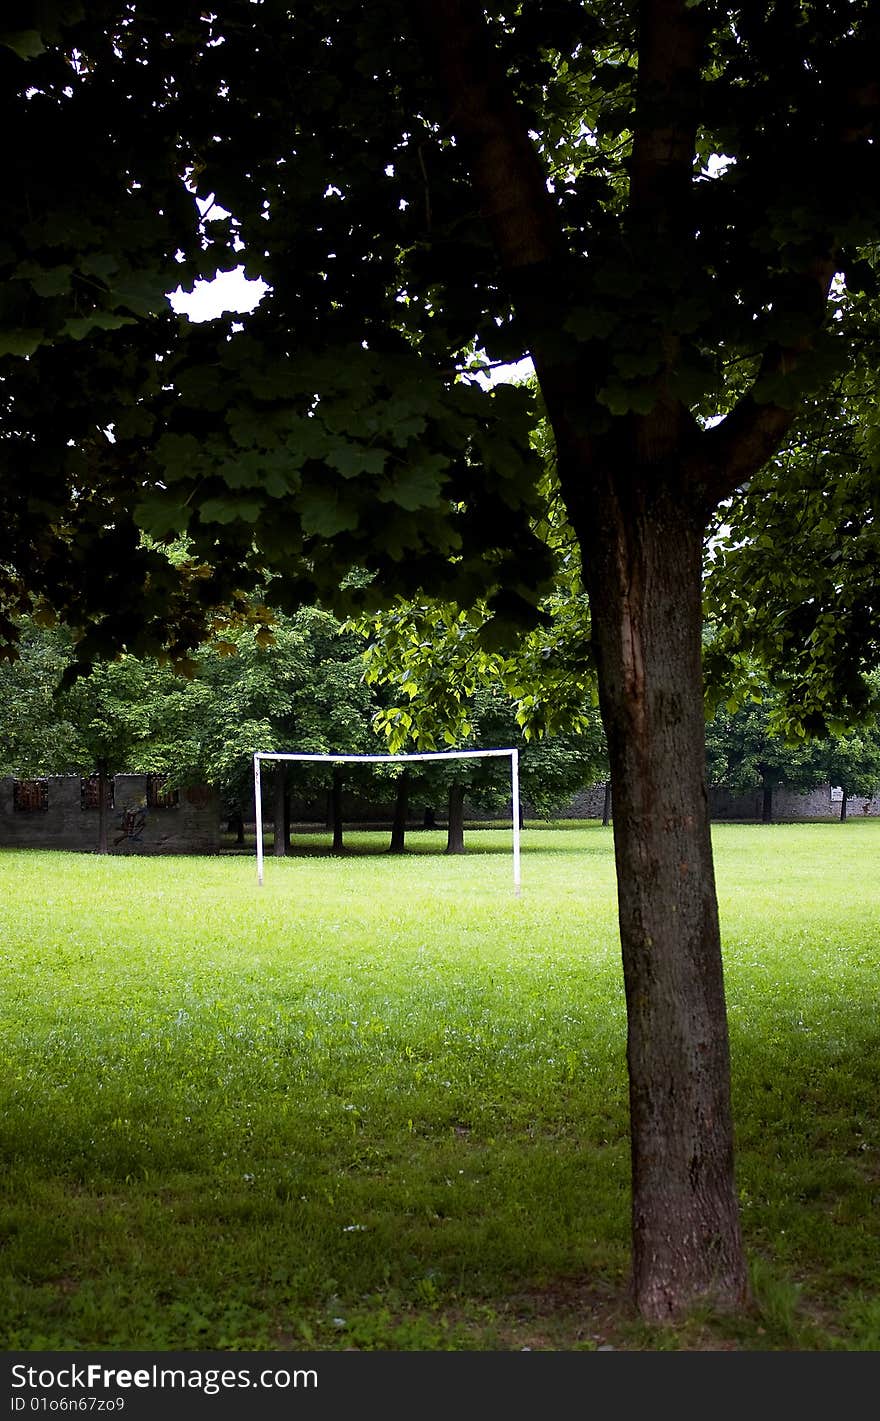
[638, 493]
[766, 800]
[455, 820]
[401, 813]
[336, 811]
[644, 561]
[606, 805]
[279, 787]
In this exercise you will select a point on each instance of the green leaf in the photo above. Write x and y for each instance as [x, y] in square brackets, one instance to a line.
[178, 454]
[78, 327]
[100, 264]
[27, 44]
[19, 342]
[402, 421]
[590, 322]
[135, 422]
[160, 517]
[623, 399]
[323, 514]
[45, 280]
[354, 459]
[141, 292]
[228, 510]
[416, 487]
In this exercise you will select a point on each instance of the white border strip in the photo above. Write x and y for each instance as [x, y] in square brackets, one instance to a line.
[261, 755]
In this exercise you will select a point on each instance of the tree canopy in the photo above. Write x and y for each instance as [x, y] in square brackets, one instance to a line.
[791, 586]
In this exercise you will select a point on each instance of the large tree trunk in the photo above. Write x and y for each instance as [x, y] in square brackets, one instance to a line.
[455, 820]
[401, 813]
[644, 570]
[336, 810]
[639, 518]
[278, 795]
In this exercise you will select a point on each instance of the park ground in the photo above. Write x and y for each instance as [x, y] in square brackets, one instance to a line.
[381, 1103]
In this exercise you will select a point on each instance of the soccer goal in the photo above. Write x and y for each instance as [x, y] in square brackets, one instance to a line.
[513, 756]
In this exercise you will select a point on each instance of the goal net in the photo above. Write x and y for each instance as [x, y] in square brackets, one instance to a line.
[446, 755]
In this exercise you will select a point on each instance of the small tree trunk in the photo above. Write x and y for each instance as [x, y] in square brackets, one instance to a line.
[606, 805]
[401, 811]
[336, 810]
[278, 795]
[766, 800]
[843, 805]
[103, 808]
[236, 823]
[644, 573]
[455, 820]
[429, 820]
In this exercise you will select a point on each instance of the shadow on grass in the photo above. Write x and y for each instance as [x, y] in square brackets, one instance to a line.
[373, 843]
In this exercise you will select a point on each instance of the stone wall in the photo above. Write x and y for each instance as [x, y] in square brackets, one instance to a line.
[820, 803]
[190, 826]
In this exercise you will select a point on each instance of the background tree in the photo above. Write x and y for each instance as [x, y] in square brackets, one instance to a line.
[33, 735]
[851, 762]
[300, 688]
[791, 585]
[126, 716]
[751, 744]
[745, 752]
[441, 686]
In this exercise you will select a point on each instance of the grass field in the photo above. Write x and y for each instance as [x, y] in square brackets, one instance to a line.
[381, 1103]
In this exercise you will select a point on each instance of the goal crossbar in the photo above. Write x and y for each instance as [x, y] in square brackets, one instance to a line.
[341, 759]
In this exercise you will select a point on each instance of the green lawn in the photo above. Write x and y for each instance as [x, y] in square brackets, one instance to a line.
[381, 1103]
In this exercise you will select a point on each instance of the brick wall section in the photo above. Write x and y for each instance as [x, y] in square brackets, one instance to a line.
[190, 827]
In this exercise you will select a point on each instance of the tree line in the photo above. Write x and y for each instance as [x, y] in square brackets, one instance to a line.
[320, 686]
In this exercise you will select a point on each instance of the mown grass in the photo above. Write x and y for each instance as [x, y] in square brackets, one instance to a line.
[381, 1103]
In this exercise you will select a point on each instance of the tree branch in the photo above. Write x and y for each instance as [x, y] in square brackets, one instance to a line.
[507, 176]
[671, 43]
[511, 188]
[751, 433]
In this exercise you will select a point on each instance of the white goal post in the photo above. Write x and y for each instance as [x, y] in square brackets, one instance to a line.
[262, 755]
